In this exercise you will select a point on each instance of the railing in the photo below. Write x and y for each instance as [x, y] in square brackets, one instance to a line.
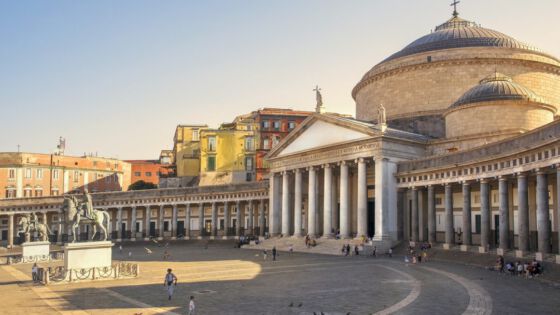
[20, 259]
[59, 274]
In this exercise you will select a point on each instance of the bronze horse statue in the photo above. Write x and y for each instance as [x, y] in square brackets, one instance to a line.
[73, 215]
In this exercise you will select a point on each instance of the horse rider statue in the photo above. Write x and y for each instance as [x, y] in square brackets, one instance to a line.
[30, 223]
[87, 205]
[76, 212]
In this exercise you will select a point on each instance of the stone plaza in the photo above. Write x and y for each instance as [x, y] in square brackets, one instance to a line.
[226, 280]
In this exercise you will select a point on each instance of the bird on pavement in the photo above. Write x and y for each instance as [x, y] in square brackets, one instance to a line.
[148, 251]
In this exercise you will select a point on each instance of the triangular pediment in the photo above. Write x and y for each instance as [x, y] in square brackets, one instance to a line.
[321, 131]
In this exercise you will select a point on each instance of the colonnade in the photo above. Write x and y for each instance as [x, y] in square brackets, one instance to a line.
[539, 212]
[162, 221]
[323, 219]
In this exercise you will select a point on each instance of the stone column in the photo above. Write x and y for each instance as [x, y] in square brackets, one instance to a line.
[238, 219]
[133, 224]
[174, 223]
[10, 230]
[214, 231]
[297, 203]
[44, 218]
[362, 199]
[251, 217]
[188, 221]
[449, 224]
[201, 219]
[484, 214]
[61, 228]
[226, 220]
[414, 214]
[523, 212]
[147, 215]
[285, 204]
[344, 201]
[385, 200]
[312, 207]
[161, 217]
[262, 225]
[431, 214]
[543, 218]
[558, 210]
[334, 202]
[467, 210]
[327, 202]
[119, 225]
[504, 213]
[274, 205]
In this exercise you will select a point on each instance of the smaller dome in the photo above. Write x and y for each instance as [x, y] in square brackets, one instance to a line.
[497, 87]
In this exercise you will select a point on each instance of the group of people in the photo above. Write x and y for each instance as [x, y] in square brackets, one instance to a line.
[527, 269]
[273, 251]
[310, 242]
[415, 256]
[346, 250]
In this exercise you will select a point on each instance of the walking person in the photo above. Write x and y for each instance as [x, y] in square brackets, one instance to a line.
[274, 253]
[265, 254]
[192, 307]
[390, 252]
[374, 252]
[34, 272]
[170, 282]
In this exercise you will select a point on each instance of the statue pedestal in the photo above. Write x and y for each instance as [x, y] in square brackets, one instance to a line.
[35, 251]
[87, 255]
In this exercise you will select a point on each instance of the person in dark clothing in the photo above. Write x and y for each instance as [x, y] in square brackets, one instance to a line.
[356, 250]
[273, 253]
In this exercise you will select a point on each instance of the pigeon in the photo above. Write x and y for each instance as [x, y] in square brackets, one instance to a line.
[300, 304]
[291, 304]
[148, 251]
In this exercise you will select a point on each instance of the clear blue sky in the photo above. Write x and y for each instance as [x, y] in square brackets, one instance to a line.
[116, 77]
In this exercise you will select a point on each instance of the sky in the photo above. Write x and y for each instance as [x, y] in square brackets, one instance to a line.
[116, 77]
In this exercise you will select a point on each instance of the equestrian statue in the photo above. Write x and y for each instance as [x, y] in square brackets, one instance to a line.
[76, 212]
[28, 225]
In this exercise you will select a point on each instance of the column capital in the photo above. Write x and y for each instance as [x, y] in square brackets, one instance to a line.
[521, 174]
[483, 180]
[503, 177]
[540, 171]
[327, 165]
[466, 183]
[311, 168]
[297, 170]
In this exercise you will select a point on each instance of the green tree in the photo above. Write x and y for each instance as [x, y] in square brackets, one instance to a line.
[140, 185]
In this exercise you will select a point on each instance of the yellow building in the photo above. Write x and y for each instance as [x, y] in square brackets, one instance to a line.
[186, 150]
[227, 154]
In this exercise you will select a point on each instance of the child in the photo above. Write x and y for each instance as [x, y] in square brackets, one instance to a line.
[192, 307]
[265, 254]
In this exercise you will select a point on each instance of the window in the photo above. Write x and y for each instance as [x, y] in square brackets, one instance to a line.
[439, 201]
[477, 224]
[27, 192]
[249, 144]
[291, 125]
[27, 173]
[39, 173]
[249, 127]
[38, 192]
[76, 176]
[55, 174]
[275, 140]
[211, 164]
[137, 174]
[212, 144]
[249, 164]
[149, 174]
[276, 125]
[266, 143]
[12, 174]
[55, 192]
[249, 177]
[10, 193]
[265, 124]
[166, 226]
[195, 135]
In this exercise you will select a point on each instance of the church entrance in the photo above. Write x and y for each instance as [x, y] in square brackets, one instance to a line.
[180, 228]
[371, 217]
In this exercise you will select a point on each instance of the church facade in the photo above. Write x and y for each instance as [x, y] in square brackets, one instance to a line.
[464, 150]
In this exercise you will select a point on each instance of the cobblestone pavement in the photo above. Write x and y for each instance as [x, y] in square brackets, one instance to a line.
[233, 281]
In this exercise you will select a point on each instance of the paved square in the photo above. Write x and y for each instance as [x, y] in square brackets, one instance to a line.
[225, 280]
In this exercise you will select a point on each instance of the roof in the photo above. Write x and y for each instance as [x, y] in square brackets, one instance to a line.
[497, 87]
[456, 33]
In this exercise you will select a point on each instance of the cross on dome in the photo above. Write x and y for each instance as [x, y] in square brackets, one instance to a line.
[454, 4]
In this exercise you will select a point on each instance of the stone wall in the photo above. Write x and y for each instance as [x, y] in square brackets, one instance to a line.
[412, 86]
[496, 116]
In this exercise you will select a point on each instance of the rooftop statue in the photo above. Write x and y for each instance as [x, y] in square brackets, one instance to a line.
[381, 116]
[76, 212]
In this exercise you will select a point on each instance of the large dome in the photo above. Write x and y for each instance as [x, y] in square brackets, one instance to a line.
[457, 33]
[420, 82]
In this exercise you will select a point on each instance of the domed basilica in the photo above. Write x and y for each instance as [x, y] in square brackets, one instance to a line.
[455, 141]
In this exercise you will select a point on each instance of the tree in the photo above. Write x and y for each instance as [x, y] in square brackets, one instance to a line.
[140, 185]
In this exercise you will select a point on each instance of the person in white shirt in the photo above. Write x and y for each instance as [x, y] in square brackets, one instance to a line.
[192, 307]
[170, 282]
